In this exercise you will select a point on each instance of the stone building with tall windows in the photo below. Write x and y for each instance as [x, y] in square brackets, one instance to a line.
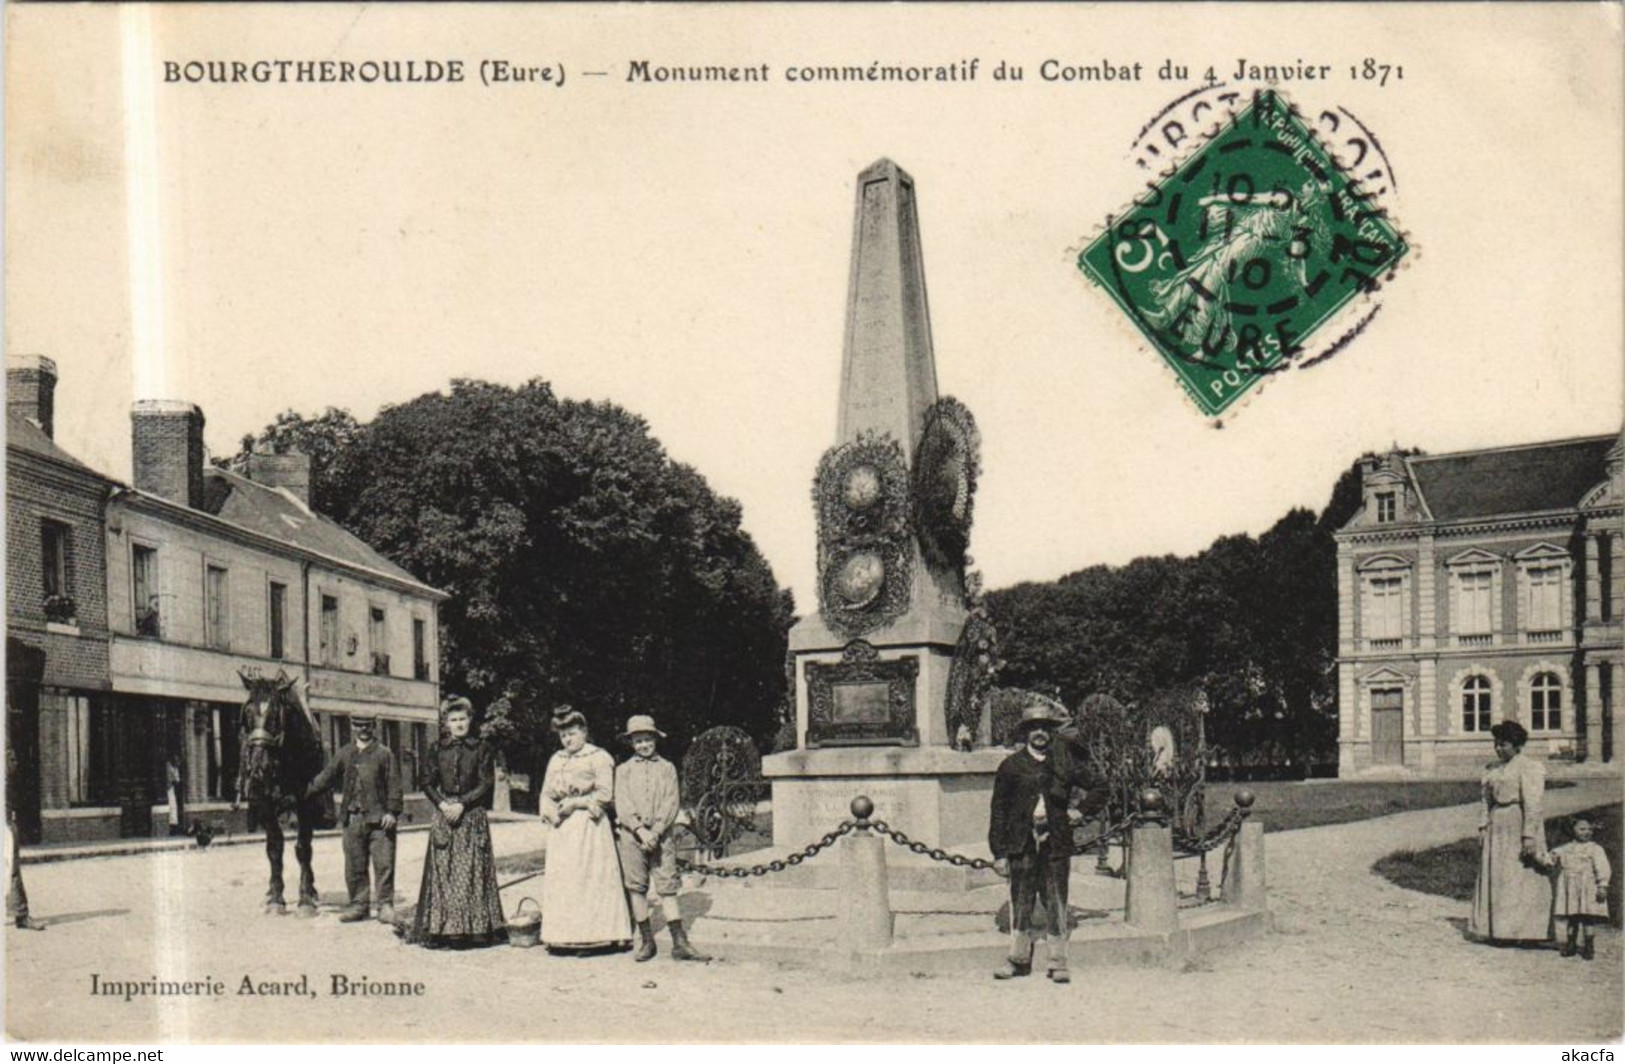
[133, 608]
[1477, 587]
[212, 571]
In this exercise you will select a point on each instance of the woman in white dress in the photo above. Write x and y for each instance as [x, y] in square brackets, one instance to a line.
[583, 904]
[1512, 900]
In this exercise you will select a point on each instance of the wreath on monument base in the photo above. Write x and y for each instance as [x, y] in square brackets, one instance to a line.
[946, 465]
[976, 663]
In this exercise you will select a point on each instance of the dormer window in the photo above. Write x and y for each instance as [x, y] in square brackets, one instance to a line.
[1383, 498]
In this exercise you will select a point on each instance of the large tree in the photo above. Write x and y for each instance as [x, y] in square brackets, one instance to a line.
[1252, 623]
[584, 565]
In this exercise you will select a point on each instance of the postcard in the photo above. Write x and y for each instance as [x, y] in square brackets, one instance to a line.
[803, 523]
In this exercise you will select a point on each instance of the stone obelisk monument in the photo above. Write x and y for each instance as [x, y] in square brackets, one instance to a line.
[893, 497]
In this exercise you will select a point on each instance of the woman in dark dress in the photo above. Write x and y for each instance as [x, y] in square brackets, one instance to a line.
[458, 905]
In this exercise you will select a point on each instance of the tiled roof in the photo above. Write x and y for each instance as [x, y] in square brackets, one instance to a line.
[242, 502]
[1511, 480]
[277, 514]
[27, 436]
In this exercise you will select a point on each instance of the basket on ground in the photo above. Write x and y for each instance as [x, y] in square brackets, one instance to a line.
[525, 928]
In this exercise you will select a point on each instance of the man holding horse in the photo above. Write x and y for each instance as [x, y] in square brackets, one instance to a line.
[371, 804]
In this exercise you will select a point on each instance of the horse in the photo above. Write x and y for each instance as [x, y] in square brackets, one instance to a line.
[281, 752]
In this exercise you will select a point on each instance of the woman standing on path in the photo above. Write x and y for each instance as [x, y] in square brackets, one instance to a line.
[583, 905]
[1512, 900]
[458, 904]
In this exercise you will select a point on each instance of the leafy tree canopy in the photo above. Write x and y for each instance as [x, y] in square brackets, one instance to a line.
[1251, 623]
[584, 565]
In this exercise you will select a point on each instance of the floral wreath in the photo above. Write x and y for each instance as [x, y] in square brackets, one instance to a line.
[863, 512]
[947, 463]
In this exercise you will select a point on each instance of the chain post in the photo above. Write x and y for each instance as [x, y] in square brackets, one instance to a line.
[1152, 901]
[1153, 808]
[865, 920]
[1244, 866]
[862, 810]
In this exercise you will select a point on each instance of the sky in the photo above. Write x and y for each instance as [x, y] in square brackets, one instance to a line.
[682, 249]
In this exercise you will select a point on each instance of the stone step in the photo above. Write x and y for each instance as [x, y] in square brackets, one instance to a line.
[801, 928]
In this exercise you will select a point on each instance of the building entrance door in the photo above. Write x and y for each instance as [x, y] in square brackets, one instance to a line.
[25, 665]
[1387, 726]
[136, 739]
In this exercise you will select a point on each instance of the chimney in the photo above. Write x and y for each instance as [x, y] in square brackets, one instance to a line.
[168, 450]
[31, 389]
[290, 471]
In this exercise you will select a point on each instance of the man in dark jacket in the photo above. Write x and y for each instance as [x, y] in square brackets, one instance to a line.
[1029, 833]
[16, 895]
[371, 803]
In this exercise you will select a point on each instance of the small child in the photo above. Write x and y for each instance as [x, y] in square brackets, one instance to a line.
[1582, 886]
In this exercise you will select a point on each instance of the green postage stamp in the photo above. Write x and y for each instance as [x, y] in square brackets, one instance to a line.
[1231, 263]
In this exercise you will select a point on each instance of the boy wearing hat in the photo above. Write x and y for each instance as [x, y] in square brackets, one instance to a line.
[371, 805]
[646, 803]
[1028, 835]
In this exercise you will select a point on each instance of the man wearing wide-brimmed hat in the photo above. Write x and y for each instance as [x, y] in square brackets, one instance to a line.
[1028, 835]
[646, 804]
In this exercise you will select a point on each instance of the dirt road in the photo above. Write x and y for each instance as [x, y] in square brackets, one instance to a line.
[1353, 958]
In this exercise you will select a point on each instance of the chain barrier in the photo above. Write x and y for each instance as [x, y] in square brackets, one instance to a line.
[1115, 833]
[936, 853]
[1187, 845]
[776, 865]
[1198, 845]
[1118, 832]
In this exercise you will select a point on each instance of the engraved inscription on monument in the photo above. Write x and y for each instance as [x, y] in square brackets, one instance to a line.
[862, 700]
[861, 703]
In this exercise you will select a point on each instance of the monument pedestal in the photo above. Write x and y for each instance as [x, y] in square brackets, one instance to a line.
[934, 795]
[920, 785]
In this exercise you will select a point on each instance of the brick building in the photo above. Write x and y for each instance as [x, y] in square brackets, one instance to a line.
[1476, 587]
[188, 576]
[56, 608]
